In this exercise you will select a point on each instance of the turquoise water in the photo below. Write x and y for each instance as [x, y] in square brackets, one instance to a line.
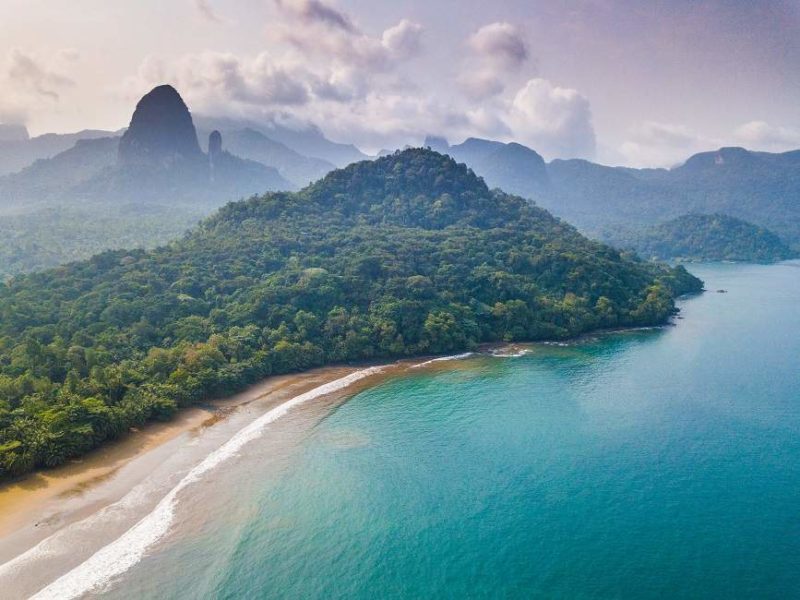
[648, 464]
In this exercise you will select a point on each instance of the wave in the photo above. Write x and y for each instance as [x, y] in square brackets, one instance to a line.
[517, 354]
[442, 359]
[123, 553]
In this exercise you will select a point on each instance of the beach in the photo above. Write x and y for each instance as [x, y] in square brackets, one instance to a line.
[132, 474]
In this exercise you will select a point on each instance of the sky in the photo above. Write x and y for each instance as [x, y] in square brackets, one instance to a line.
[622, 82]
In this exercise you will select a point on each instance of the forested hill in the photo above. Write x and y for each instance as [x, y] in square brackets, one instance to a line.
[406, 255]
[707, 237]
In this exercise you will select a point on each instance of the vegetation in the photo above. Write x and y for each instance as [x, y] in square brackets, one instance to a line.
[706, 237]
[758, 187]
[53, 235]
[406, 255]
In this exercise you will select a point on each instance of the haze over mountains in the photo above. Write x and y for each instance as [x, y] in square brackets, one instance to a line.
[408, 254]
[90, 191]
[102, 190]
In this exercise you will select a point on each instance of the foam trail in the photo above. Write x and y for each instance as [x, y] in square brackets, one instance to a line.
[127, 550]
[517, 354]
[443, 358]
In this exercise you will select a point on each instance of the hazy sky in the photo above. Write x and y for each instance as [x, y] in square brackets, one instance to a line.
[620, 81]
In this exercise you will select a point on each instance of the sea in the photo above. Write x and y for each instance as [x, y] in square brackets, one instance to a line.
[651, 463]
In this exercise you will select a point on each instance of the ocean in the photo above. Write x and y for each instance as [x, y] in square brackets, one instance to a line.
[658, 463]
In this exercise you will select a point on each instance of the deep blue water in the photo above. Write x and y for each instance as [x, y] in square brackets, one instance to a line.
[647, 464]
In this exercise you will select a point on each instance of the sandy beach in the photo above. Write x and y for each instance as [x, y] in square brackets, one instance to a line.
[53, 521]
[38, 505]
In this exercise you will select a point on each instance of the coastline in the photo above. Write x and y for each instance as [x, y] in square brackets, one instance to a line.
[36, 506]
[32, 506]
[38, 511]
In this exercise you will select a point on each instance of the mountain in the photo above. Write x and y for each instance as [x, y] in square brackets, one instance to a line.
[408, 254]
[254, 145]
[160, 159]
[85, 160]
[707, 238]
[306, 140]
[157, 159]
[141, 189]
[758, 187]
[610, 202]
[11, 132]
[161, 132]
[18, 151]
[514, 168]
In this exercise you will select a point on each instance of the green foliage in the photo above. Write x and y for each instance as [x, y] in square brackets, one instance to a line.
[758, 187]
[47, 236]
[707, 237]
[407, 255]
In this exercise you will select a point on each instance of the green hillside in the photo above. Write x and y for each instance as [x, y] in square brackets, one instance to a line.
[707, 238]
[410, 254]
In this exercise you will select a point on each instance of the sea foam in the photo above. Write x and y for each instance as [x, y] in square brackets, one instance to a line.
[123, 553]
[442, 359]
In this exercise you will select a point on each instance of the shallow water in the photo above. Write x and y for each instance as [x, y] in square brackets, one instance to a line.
[647, 464]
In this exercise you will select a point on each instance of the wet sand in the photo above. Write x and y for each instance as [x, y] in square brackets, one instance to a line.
[35, 506]
[52, 521]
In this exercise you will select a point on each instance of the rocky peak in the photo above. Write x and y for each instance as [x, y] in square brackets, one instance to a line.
[10, 132]
[214, 144]
[437, 143]
[161, 131]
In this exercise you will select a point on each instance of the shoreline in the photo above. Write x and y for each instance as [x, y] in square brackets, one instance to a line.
[36, 506]
[34, 500]
[43, 506]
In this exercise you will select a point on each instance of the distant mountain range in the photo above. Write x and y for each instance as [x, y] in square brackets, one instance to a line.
[759, 187]
[65, 197]
[18, 151]
[145, 184]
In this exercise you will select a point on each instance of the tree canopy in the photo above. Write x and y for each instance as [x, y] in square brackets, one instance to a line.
[410, 254]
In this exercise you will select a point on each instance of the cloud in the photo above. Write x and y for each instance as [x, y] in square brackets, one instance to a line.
[554, 120]
[317, 55]
[323, 35]
[31, 83]
[402, 40]
[207, 11]
[654, 144]
[322, 68]
[501, 43]
[32, 75]
[212, 80]
[317, 12]
[760, 135]
[479, 85]
[497, 53]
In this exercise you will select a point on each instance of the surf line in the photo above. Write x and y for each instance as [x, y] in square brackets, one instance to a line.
[123, 553]
[442, 359]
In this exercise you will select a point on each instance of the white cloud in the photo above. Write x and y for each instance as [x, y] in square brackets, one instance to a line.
[501, 43]
[207, 11]
[481, 84]
[759, 135]
[31, 82]
[322, 68]
[215, 81]
[654, 144]
[497, 53]
[402, 40]
[315, 11]
[32, 75]
[555, 121]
